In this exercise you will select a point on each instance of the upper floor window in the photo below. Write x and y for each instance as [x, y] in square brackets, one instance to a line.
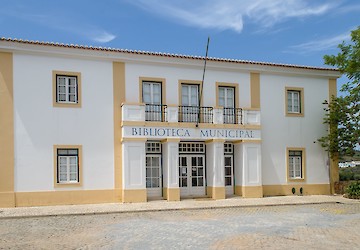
[67, 89]
[226, 97]
[152, 95]
[151, 92]
[294, 102]
[190, 95]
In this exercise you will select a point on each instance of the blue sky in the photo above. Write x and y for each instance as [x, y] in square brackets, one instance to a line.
[280, 31]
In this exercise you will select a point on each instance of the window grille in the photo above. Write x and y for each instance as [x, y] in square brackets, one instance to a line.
[187, 147]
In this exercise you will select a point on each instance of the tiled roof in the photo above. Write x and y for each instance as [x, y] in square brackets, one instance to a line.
[160, 54]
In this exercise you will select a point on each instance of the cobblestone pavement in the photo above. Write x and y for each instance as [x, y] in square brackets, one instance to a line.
[315, 226]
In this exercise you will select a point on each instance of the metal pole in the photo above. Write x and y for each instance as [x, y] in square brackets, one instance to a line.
[202, 82]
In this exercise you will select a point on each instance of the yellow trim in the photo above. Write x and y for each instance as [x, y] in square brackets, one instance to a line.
[251, 141]
[189, 82]
[171, 194]
[332, 89]
[252, 191]
[215, 141]
[231, 85]
[80, 155]
[134, 139]
[255, 89]
[170, 140]
[7, 155]
[73, 197]
[119, 98]
[216, 193]
[134, 195]
[303, 165]
[308, 189]
[334, 161]
[251, 109]
[132, 103]
[152, 79]
[238, 190]
[67, 105]
[301, 90]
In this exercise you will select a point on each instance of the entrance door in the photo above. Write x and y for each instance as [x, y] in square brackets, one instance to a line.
[192, 175]
[229, 175]
[153, 176]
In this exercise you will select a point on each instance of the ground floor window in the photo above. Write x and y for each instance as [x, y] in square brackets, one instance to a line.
[228, 162]
[153, 168]
[67, 164]
[296, 160]
[152, 171]
[229, 167]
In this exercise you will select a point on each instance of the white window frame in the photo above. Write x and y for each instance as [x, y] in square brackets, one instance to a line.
[291, 106]
[67, 93]
[67, 158]
[188, 94]
[295, 164]
[226, 104]
[151, 85]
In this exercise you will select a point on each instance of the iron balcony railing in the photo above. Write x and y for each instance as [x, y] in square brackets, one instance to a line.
[195, 114]
[232, 115]
[155, 112]
[158, 113]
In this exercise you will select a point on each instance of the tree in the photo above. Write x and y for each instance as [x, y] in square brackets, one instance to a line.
[343, 116]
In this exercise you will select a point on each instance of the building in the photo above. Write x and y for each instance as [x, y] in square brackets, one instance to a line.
[83, 124]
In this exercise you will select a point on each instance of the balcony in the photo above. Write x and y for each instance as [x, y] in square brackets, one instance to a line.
[189, 114]
[195, 114]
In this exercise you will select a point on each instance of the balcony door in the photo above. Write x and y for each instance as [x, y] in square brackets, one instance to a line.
[151, 94]
[227, 100]
[189, 102]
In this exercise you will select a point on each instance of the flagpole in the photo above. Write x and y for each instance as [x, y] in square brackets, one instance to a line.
[202, 82]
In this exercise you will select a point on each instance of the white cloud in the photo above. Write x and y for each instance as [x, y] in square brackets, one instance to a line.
[230, 14]
[102, 37]
[70, 24]
[322, 44]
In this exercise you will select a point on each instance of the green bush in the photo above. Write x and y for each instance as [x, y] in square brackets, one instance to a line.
[346, 176]
[349, 173]
[353, 190]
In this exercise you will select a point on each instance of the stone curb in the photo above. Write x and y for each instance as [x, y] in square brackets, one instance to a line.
[144, 210]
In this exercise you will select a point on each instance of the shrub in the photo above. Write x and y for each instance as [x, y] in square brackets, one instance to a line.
[353, 190]
[346, 175]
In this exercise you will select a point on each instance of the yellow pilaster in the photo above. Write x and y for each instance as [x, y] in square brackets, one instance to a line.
[7, 196]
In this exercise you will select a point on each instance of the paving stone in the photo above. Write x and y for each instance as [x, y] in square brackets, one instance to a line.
[311, 226]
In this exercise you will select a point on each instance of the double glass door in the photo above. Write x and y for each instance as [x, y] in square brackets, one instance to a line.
[192, 175]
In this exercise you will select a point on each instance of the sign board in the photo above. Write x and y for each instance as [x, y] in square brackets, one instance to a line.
[190, 133]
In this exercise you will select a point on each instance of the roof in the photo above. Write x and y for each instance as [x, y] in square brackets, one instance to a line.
[160, 54]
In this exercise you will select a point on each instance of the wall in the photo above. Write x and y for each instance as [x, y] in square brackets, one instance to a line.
[174, 74]
[39, 125]
[280, 132]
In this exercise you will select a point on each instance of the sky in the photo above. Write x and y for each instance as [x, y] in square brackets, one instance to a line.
[279, 31]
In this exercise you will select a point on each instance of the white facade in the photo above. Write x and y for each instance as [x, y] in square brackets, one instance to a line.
[38, 125]
[251, 149]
